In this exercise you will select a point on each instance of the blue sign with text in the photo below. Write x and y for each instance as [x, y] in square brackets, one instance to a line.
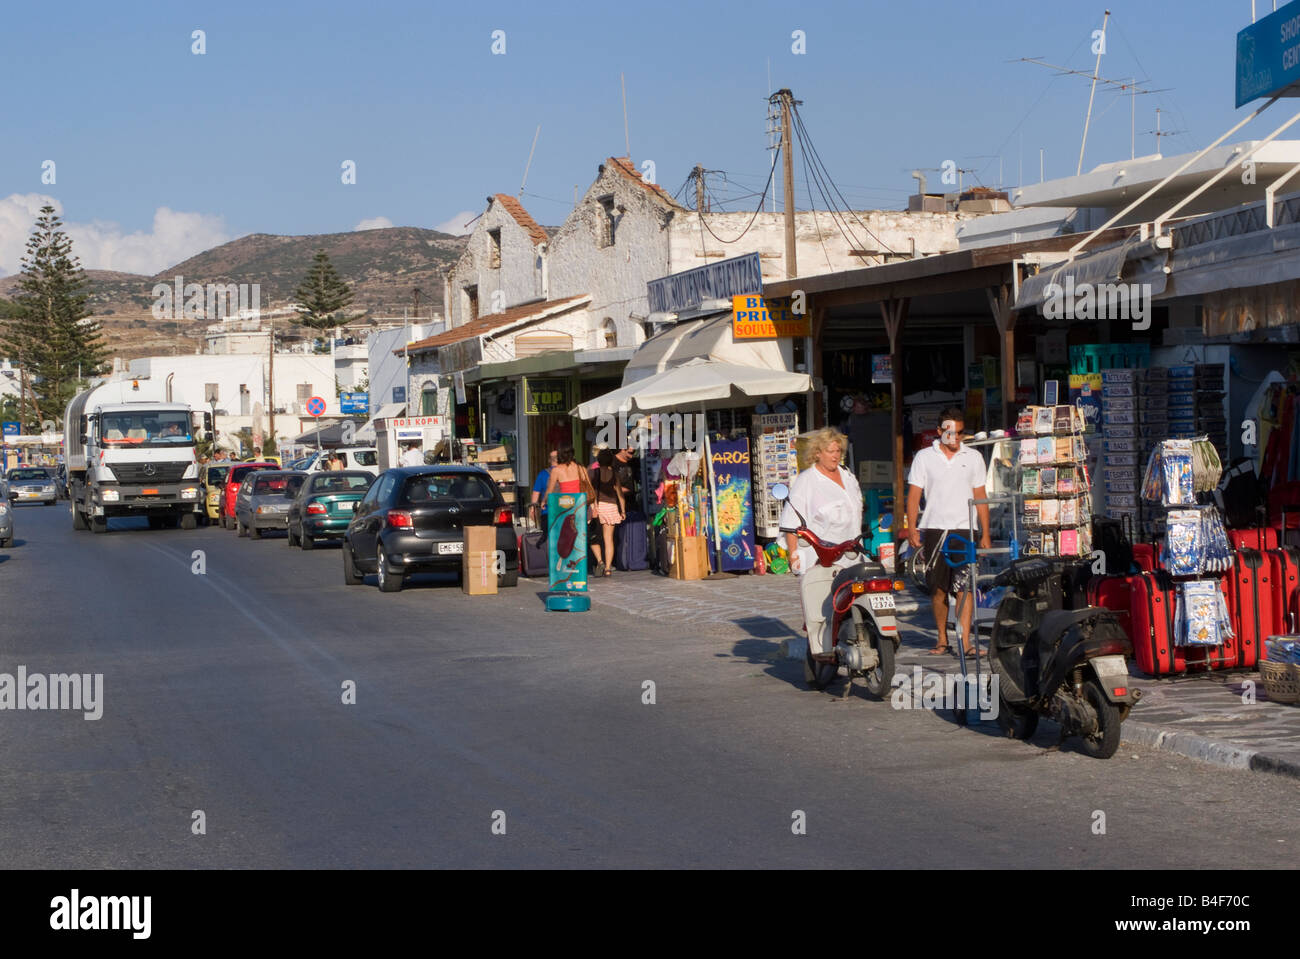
[399, 394]
[1268, 56]
[12, 428]
[354, 402]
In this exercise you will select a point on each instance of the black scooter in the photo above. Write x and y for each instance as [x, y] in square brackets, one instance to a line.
[1070, 665]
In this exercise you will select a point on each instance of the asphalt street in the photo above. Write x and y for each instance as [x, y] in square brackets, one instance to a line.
[487, 732]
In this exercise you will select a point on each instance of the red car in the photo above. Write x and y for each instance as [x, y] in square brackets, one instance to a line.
[233, 480]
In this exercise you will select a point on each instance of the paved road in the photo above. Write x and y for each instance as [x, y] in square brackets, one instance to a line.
[223, 693]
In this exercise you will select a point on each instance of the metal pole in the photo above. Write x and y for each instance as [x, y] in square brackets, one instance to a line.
[1088, 118]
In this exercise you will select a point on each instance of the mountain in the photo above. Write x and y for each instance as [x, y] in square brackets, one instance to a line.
[383, 266]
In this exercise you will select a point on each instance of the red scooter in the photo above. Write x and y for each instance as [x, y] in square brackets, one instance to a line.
[863, 629]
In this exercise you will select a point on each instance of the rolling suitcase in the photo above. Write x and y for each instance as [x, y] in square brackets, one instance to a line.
[631, 543]
[1262, 538]
[1114, 593]
[1152, 615]
[533, 553]
[1146, 556]
[1252, 606]
[663, 550]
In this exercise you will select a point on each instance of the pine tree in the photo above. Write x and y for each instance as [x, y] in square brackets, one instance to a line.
[321, 294]
[49, 336]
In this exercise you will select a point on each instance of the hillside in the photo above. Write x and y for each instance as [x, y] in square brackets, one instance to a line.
[383, 267]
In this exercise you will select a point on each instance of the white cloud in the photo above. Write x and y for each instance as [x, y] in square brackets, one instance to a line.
[457, 225]
[374, 223]
[102, 245]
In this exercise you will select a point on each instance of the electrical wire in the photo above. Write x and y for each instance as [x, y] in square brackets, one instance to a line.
[757, 211]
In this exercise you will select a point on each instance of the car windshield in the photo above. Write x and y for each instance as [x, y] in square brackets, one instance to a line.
[237, 473]
[153, 428]
[271, 483]
[447, 488]
[340, 483]
[28, 474]
[217, 475]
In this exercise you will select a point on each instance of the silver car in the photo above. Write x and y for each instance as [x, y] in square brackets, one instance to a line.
[264, 499]
[32, 484]
[6, 518]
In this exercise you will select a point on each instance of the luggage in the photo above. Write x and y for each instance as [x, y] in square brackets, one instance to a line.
[533, 553]
[1153, 610]
[1114, 538]
[1146, 556]
[1252, 606]
[631, 543]
[663, 550]
[1114, 593]
[1261, 538]
[1284, 568]
[1240, 494]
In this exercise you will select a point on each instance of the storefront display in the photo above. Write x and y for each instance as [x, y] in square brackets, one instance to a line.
[1054, 481]
[774, 437]
[734, 503]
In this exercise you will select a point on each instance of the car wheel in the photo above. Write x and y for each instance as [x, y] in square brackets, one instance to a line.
[350, 574]
[240, 530]
[155, 522]
[225, 523]
[255, 532]
[389, 582]
[4, 544]
[289, 537]
[49, 502]
[78, 518]
[307, 541]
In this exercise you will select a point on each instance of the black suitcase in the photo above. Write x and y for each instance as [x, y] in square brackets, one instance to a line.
[631, 546]
[663, 551]
[533, 553]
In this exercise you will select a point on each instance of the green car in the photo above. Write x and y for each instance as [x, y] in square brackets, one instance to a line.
[325, 504]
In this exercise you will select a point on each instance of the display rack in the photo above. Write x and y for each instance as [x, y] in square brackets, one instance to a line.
[775, 462]
[1053, 479]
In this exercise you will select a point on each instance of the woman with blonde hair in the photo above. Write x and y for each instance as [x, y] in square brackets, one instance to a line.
[830, 501]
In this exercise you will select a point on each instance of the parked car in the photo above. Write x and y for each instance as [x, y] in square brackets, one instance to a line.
[363, 458]
[264, 499]
[412, 519]
[6, 522]
[236, 476]
[264, 459]
[212, 480]
[32, 483]
[325, 505]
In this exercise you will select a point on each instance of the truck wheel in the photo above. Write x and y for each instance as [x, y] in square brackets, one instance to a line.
[155, 522]
[78, 518]
[99, 524]
[189, 521]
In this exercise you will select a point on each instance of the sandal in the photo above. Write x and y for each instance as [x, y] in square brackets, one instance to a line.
[939, 650]
[609, 572]
[599, 570]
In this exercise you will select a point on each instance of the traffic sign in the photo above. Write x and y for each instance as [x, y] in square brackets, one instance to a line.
[12, 428]
[316, 405]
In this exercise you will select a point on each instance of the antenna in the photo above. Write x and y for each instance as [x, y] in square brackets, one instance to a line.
[529, 164]
[1129, 86]
[1161, 133]
[627, 142]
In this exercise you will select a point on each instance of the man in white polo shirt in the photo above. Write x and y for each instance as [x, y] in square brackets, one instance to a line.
[950, 475]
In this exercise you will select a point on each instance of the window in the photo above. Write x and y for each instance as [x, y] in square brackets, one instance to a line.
[211, 392]
[609, 222]
[304, 392]
[429, 401]
[494, 249]
[471, 304]
[609, 332]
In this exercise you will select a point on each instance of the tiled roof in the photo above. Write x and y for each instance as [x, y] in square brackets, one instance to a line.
[625, 166]
[490, 322]
[516, 210]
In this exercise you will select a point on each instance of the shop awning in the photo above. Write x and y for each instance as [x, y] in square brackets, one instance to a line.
[697, 384]
[704, 338]
[1096, 270]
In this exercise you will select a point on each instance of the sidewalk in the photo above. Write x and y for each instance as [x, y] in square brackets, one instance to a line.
[1201, 715]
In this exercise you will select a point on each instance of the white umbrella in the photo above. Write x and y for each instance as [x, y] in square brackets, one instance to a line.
[697, 384]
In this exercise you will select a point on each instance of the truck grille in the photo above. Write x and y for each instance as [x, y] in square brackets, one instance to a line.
[135, 473]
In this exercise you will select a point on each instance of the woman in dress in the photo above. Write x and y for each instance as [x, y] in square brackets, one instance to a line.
[609, 509]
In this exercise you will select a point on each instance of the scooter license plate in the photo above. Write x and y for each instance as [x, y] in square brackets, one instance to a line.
[882, 601]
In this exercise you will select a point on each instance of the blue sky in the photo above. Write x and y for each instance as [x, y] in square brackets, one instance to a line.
[160, 153]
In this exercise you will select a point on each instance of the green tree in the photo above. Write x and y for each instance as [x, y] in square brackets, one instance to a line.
[322, 294]
[49, 336]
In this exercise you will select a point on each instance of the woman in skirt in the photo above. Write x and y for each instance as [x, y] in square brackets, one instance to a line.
[609, 510]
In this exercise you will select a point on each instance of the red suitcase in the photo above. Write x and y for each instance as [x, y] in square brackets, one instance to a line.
[1152, 613]
[1258, 539]
[1146, 556]
[1252, 605]
[1114, 593]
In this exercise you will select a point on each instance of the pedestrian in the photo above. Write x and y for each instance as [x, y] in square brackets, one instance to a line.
[414, 456]
[949, 475]
[537, 508]
[609, 510]
[335, 461]
[625, 467]
[568, 477]
[829, 499]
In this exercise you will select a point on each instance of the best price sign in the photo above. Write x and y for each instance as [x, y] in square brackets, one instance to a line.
[753, 318]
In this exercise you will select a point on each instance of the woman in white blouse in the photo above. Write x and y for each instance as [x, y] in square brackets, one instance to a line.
[830, 501]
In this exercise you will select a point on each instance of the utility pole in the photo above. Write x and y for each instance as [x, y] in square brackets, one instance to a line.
[787, 180]
[270, 385]
[698, 174]
[1101, 48]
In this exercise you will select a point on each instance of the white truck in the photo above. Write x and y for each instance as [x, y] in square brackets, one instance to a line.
[130, 452]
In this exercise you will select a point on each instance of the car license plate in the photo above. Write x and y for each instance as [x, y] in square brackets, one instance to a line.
[882, 601]
[30, 494]
[451, 547]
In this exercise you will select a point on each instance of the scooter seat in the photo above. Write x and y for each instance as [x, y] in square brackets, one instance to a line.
[1055, 623]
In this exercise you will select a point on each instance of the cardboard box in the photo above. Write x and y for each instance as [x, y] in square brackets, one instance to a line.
[479, 563]
[691, 558]
[495, 453]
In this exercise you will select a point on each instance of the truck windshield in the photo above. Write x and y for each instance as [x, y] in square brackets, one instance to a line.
[152, 428]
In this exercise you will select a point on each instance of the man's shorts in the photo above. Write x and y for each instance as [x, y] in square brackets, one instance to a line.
[941, 574]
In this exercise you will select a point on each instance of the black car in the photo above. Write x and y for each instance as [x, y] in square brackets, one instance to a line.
[325, 505]
[413, 518]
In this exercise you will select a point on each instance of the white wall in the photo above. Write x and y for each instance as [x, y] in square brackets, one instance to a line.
[518, 277]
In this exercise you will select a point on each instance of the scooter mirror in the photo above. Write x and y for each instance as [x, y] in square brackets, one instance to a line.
[780, 492]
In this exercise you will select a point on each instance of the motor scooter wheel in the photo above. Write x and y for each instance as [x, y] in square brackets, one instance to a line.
[1016, 721]
[1105, 741]
[878, 679]
[818, 675]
